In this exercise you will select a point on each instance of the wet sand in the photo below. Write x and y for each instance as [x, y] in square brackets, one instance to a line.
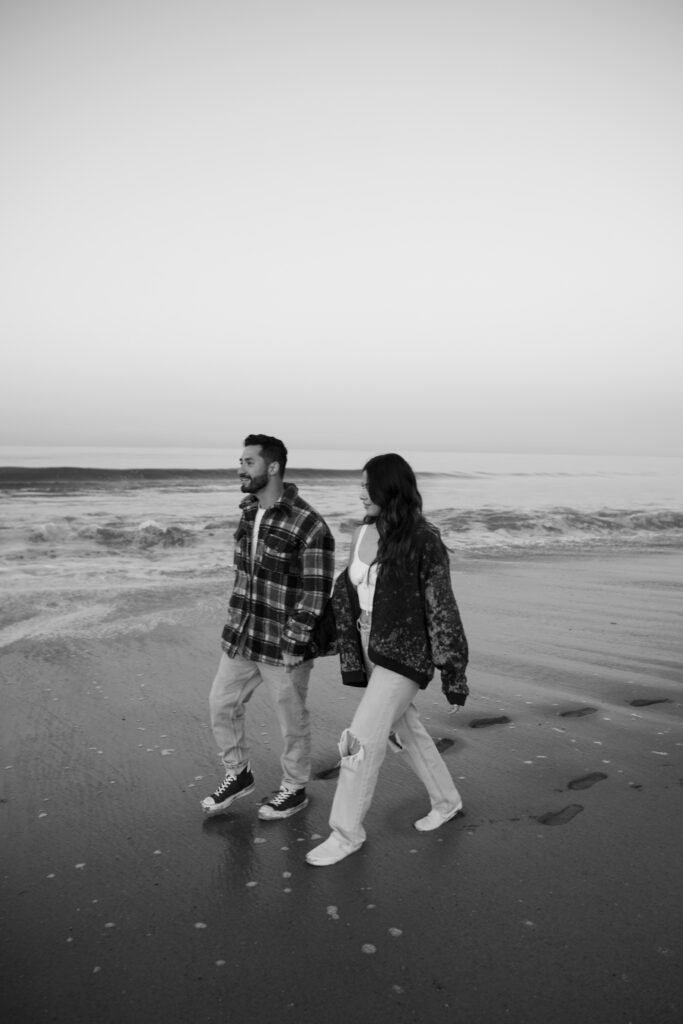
[555, 897]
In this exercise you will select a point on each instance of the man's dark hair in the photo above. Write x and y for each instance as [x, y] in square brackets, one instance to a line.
[272, 448]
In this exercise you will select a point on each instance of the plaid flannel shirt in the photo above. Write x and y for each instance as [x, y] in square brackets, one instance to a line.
[274, 608]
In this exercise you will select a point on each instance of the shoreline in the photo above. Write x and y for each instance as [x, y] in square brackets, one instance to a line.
[553, 898]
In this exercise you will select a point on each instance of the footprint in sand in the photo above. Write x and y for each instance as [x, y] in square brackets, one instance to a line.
[586, 781]
[443, 743]
[578, 712]
[560, 817]
[643, 703]
[481, 723]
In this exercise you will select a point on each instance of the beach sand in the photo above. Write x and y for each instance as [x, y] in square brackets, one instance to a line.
[555, 897]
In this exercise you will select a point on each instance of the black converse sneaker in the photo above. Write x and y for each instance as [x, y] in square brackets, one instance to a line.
[231, 788]
[284, 804]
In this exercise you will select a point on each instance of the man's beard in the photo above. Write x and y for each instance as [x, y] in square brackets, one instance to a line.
[252, 485]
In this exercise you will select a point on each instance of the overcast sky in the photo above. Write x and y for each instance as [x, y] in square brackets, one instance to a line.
[414, 224]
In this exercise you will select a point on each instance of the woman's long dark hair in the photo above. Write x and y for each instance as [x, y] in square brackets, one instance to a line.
[391, 484]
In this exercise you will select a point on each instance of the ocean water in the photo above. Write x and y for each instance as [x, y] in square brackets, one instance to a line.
[96, 518]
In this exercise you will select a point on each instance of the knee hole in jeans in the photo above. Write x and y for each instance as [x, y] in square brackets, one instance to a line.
[351, 750]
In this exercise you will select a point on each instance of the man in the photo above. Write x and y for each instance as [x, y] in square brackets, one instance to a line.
[284, 568]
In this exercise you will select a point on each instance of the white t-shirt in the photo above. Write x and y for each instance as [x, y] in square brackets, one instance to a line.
[260, 512]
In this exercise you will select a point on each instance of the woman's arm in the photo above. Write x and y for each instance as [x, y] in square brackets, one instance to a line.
[444, 626]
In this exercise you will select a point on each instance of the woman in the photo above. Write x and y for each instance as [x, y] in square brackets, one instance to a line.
[397, 620]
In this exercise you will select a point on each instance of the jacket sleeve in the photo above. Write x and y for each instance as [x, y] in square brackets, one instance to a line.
[444, 625]
[317, 573]
[348, 640]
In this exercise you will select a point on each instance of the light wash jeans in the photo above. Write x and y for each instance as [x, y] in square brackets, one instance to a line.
[386, 707]
[235, 682]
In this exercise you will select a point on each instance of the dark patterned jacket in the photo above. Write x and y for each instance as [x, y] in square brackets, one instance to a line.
[275, 607]
[416, 625]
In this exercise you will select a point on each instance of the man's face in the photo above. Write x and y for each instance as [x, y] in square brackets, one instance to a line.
[253, 471]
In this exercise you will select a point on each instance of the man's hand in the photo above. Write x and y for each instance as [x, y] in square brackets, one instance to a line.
[291, 661]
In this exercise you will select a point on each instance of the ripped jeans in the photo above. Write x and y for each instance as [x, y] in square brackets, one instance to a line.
[386, 706]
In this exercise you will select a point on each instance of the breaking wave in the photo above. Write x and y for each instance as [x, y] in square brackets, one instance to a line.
[143, 536]
[556, 529]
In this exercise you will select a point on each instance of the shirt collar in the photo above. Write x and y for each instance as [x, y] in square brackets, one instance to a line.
[285, 502]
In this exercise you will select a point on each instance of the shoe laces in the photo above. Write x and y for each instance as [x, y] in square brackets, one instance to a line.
[282, 794]
[225, 784]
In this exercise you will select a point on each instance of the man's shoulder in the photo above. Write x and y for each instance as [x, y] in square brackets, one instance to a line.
[299, 505]
[302, 505]
[299, 518]
[306, 516]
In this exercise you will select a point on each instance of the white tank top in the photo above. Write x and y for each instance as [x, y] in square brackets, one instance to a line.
[363, 576]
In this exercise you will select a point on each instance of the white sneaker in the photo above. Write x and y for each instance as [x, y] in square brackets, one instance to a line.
[329, 852]
[435, 819]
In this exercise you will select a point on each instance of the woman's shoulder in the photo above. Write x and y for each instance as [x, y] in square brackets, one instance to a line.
[356, 532]
[428, 532]
[428, 537]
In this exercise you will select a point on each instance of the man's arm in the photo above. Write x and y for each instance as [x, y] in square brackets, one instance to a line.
[317, 573]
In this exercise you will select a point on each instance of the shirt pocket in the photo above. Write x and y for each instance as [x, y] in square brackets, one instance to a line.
[280, 557]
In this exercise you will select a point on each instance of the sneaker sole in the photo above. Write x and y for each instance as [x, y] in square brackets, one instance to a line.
[327, 862]
[211, 809]
[267, 813]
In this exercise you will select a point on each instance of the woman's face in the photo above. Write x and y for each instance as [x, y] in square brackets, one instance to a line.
[368, 504]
